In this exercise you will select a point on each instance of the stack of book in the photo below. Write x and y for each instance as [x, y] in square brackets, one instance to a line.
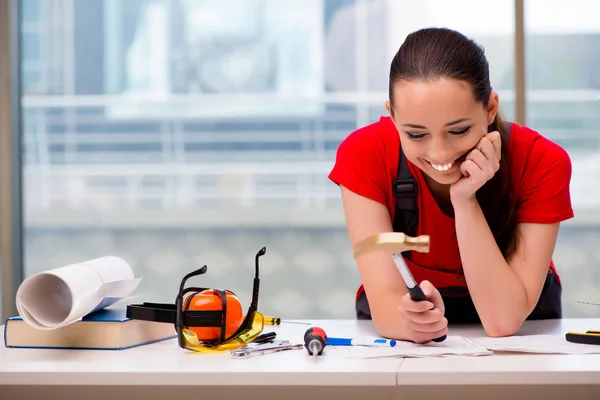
[106, 329]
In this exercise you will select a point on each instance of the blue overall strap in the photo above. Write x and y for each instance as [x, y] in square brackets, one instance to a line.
[405, 189]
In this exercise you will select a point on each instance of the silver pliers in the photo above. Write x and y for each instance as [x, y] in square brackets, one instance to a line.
[253, 350]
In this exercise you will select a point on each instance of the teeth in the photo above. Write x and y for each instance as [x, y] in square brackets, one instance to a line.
[442, 167]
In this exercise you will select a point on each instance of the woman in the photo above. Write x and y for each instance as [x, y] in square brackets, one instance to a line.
[490, 194]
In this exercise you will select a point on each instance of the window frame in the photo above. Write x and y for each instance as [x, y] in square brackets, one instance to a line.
[11, 221]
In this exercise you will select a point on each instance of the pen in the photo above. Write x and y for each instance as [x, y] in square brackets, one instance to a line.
[367, 341]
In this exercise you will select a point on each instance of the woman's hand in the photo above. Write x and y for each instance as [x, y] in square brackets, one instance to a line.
[480, 165]
[423, 321]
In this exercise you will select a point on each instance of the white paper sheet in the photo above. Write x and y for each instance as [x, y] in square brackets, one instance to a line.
[61, 296]
[545, 344]
[452, 346]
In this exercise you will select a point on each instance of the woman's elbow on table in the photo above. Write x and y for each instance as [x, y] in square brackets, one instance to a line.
[497, 330]
[496, 327]
[388, 330]
[386, 319]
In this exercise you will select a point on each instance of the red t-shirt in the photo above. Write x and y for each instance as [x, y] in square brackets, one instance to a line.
[367, 163]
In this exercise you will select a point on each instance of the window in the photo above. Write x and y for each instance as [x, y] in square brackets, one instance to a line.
[562, 43]
[181, 133]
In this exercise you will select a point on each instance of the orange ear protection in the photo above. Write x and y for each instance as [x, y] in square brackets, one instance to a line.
[213, 315]
[215, 300]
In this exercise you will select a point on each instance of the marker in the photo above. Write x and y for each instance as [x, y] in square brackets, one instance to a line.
[368, 341]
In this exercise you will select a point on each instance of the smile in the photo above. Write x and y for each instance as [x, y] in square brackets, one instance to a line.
[442, 167]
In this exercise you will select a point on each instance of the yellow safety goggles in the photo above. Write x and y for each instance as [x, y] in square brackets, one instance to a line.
[184, 319]
[250, 329]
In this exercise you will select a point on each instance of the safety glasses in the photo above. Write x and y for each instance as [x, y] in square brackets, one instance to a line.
[184, 319]
[251, 327]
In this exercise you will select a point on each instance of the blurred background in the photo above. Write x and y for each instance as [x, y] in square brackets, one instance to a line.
[182, 133]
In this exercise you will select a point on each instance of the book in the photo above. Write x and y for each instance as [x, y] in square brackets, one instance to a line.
[106, 329]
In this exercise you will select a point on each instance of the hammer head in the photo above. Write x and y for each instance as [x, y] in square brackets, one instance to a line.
[391, 242]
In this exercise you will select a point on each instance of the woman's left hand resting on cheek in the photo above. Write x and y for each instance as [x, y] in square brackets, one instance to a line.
[480, 165]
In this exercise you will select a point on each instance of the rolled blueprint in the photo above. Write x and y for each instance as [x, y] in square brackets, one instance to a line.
[61, 296]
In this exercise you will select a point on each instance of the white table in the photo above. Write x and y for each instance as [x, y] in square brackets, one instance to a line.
[504, 375]
[163, 370]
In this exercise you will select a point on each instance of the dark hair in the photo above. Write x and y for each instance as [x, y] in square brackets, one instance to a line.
[432, 53]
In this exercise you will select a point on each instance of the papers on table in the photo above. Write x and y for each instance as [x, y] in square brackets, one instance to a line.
[545, 344]
[453, 345]
[462, 346]
[61, 296]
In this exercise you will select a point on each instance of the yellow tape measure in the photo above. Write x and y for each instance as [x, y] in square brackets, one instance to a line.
[589, 337]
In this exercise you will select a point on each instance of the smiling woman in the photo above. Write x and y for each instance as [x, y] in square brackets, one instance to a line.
[440, 144]
[491, 196]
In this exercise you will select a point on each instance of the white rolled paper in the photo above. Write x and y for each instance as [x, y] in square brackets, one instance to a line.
[58, 297]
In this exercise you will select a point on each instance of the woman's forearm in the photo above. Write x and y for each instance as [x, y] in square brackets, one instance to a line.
[385, 316]
[497, 292]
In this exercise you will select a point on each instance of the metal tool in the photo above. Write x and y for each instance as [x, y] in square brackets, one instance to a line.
[265, 338]
[315, 340]
[278, 321]
[397, 243]
[589, 337]
[415, 291]
[276, 346]
[588, 303]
